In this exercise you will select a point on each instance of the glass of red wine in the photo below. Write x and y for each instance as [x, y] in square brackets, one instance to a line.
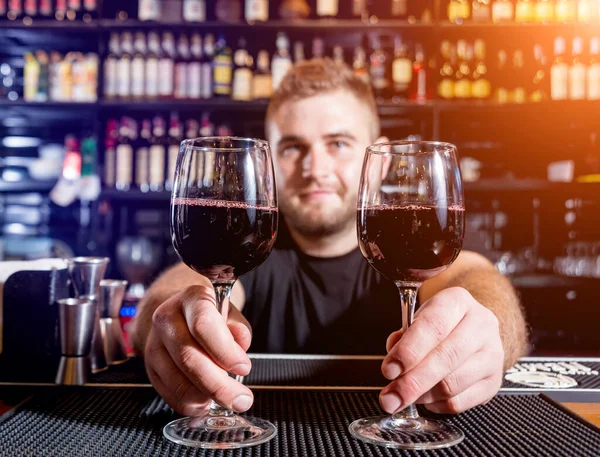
[410, 229]
[223, 224]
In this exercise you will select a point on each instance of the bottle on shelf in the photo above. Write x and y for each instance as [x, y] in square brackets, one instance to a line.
[593, 70]
[31, 75]
[60, 10]
[539, 88]
[359, 9]
[166, 67]
[565, 11]
[142, 166]
[228, 10]
[419, 86]
[43, 89]
[518, 93]
[327, 8]
[124, 154]
[124, 67]
[222, 69]
[45, 9]
[2, 8]
[294, 9]
[242, 73]
[90, 7]
[299, 52]
[152, 70]
[462, 76]
[157, 153]
[15, 9]
[481, 11]
[257, 10]
[206, 127]
[194, 10]
[194, 69]
[445, 88]
[74, 10]
[262, 82]
[181, 68]
[378, 70]
[544, 11]
[587, 11]
[149, 10]
[402, 70]
[111, 67]
[175, 138]
[459, 11]
[207, 71]
[338, 54]
[577, 71]
[110, 144]
[281, 61]
[524, 11]
[138, 67]
[30, 8]
[359, 64]
[481, 88]
[318, 48]
[559, 72]
[191, 129]
[503, 11]
[501, 78]
[399, 9]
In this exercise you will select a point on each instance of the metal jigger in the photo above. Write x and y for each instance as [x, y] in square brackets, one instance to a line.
[86, 274]
[109, 305]
[77, 319]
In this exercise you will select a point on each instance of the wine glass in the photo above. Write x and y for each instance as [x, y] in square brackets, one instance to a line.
[223, 224]
[410, 229]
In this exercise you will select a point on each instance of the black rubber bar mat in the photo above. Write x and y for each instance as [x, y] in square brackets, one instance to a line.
[126, 422]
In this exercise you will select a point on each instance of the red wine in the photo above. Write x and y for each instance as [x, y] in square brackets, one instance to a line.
[410, 242]
[222, 240]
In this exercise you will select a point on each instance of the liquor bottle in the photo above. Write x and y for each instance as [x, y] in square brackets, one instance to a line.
[401, 70]
[138, 67]
[445, 89]
[524, 11]
[459, 11]
[359, 9]
[2, 8]
[501, 78]
[142, 168]
[544, 11]
[577, 72]
[481, 11]
[281, 61]
[175, 138]
[55, 77]
[181, 68]
[503, 11]
[149, 10]
[338, 54]
[539, 89]
[242, 73]
[327, 8]
[257, 10]
[92, 66]
[462, 77]
[124, 67]
[79, 77]
[294, 9]
[518, 93]
[110, 144]
[228, 10]
[43, 92]
[194, 10]
[299, 52]
[65, 80]
[318, 48]
[399, 9]
[481, 88]
[60, 9]
[124, 154]
[111, 73]
[45, 9]
[166, 67]
[15, 9]
[593, 70]
[194, 68]
[565, 10]
[30, 8]
[587, 10]
[262, 83]
[191, 128]
[359, 64]
[378, 70]
[419, 86]
[91, 8]
[207, 70]
[559, 72]
[157, 153]
[74, 9]
[31, 74]
[152, 68]
[222, 69]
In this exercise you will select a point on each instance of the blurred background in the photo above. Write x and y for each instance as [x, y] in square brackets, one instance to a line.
[95, 97]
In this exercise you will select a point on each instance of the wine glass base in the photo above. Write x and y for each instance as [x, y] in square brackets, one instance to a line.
[210, 432]
[405, 433]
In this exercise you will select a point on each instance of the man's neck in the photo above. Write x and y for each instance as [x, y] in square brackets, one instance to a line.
[334, 245]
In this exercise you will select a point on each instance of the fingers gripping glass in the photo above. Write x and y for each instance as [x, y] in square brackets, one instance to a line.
[410, 228]
[223, 224]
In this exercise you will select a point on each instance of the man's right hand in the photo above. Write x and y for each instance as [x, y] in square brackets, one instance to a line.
[190, 349]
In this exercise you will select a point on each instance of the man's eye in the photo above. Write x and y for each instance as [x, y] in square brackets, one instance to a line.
[339, 145]
[290, 151]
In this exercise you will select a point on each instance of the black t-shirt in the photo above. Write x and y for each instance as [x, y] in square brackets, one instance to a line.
[296, 303]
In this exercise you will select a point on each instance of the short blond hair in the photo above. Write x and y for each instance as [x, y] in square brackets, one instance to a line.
[320, 76]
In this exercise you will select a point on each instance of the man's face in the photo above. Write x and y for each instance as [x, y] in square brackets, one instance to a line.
[319, 144]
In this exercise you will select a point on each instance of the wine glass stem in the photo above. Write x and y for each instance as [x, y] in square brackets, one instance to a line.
[222, 293]
[408, 301]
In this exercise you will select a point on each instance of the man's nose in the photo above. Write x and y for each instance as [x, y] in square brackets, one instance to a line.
[316, 163]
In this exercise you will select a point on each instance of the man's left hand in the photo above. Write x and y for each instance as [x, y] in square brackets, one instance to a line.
[450, 359]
